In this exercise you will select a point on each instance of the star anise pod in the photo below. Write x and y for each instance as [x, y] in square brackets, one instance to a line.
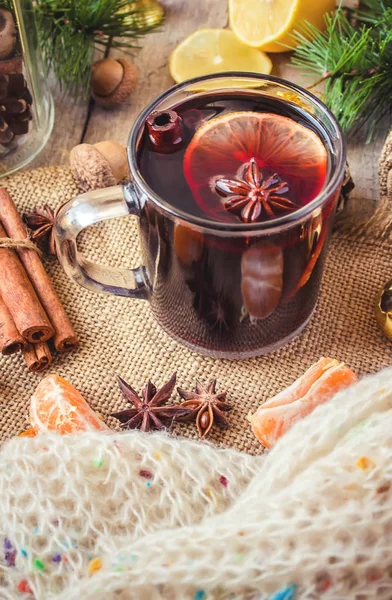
[41, 222]
[149, 412]
[214, 307]
[206, 407]
[253, 195]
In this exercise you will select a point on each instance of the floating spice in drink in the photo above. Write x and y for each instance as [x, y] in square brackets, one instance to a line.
[252, 166]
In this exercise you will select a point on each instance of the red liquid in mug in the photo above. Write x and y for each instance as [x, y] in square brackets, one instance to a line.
[236, 296]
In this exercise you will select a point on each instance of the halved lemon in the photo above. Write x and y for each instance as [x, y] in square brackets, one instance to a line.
[268, 24]
[279, 145]
[209, 51]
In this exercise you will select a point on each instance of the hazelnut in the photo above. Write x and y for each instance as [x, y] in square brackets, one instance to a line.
[112, 81]
[7, 34]
[98, 166]
[106, 76]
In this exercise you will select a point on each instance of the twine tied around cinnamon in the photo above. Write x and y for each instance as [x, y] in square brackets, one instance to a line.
[30, 309]
[15, 243]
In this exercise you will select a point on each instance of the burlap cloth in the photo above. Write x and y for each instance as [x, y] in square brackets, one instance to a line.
[120, 337]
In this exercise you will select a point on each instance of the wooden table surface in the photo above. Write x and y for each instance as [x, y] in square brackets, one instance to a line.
[76, 122]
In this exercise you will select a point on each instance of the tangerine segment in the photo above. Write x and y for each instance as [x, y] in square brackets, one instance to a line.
[301, 386]
[224, 144]
[28, 433]
[57, 406]
[188, 244]
[262, 279]
[274, 418]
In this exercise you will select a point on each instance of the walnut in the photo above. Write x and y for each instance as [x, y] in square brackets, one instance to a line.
[98, 166]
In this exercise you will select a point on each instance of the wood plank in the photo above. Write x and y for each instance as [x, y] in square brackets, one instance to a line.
[70, 119]
[182, 18]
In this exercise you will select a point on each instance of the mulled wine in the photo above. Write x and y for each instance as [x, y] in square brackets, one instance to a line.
[224, 160]
[235, 190]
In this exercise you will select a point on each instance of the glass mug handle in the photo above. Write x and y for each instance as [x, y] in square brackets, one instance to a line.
[83, 211]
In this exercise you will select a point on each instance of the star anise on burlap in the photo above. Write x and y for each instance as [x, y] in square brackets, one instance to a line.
[252, 196]
[206, 407]
[41, 222]
[149, 412]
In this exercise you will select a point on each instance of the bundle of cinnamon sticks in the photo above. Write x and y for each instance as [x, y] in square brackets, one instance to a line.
[31, 314]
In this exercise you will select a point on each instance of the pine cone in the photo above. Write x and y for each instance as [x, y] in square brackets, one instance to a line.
[15, 107]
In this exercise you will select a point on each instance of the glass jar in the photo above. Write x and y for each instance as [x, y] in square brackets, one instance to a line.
[26, 104]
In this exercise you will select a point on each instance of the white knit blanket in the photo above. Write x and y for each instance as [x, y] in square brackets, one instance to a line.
[145, 516]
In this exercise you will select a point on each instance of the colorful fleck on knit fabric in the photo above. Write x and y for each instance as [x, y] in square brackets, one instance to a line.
[147, 516]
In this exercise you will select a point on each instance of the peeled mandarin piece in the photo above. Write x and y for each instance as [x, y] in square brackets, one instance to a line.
[262, 279]
[301, 386]
[188, 244]
[269, 24]
[58, 406]
[271, 422]
[28, 433]
[209, 51]
[311, 263]
[224, 144]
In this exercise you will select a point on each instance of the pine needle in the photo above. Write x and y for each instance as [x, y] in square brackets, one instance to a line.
[71, 30]
[353, 56]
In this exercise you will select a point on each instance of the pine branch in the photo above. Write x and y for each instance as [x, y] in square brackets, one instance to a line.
[71, 30]
[354, 59]
[7, 5]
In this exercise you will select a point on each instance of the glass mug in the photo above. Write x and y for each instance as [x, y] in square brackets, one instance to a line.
[225, 289]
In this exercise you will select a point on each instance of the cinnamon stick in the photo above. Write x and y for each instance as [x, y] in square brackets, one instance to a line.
[20, 298]
[37, 357]
[64, 334]
[10, 339]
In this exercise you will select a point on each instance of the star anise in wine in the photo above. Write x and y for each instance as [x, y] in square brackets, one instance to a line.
[41, 222]
[206, 407]
[253, 195]
[213, 306]
[149, 412]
